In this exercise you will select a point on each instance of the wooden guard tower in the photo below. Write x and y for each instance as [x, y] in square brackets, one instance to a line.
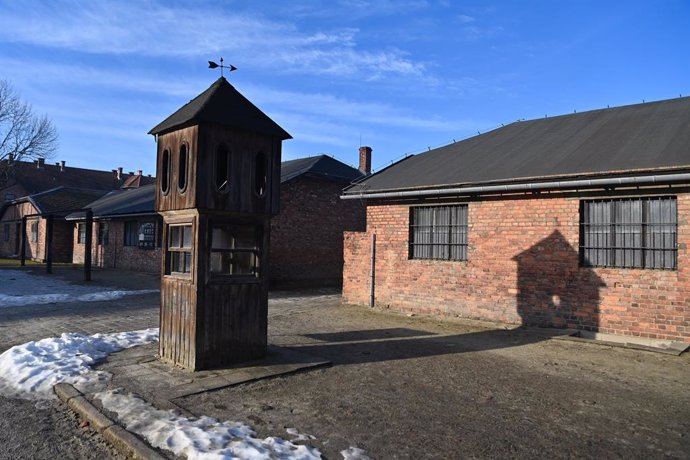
[218, 185]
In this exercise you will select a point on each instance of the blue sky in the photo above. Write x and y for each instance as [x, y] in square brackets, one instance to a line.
[401, 76]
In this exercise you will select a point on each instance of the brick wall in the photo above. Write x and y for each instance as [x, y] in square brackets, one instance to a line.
[307, 235]
[115, 254]
[523, 268]
[13, 215]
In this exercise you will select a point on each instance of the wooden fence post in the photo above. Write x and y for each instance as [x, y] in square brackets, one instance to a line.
[49, 244]
[22, 251]
[88, 239]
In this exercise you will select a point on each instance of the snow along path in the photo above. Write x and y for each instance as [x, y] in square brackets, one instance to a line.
[15, 284]
[29, 371]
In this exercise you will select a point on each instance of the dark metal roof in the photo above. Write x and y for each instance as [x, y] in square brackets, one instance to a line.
[643, 137]
[321, 166]
[61, 199]
[221, 103]
[140, 200]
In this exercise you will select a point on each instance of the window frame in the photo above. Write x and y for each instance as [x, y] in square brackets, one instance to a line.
[81, 232]
[228, 168]
[260, 192]
[256, 251]
[182, 189]
[34, 232]
[459, 239]
[166, 160]
[5, 232]
[103, 234]
[617, 226]
[171, 251]
[125, 241]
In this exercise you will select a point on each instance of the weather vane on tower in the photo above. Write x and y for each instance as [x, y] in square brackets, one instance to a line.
[213, 65]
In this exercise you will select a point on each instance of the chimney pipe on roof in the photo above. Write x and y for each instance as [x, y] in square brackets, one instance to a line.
[139, 171]
[62, 165]
[10, 158]
[119, 173]
[41, 163]
[365, 160]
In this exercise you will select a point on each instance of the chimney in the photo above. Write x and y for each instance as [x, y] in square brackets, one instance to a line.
[119, 173]
[139, 171]
[10, 158]
[365, 160]
[41, 163]
[62, 165]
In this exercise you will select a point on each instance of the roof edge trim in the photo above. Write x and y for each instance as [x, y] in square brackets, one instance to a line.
[527, 186]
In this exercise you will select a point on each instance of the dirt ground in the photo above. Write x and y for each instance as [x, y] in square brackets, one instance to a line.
[416, 387]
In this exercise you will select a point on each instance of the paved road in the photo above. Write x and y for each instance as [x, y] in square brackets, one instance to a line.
[45, 430]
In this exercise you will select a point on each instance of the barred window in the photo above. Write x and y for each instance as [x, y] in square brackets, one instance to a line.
[81, 233]
[629, 233]
[235, 250]
[438, 232]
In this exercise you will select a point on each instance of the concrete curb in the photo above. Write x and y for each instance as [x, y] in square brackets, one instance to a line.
[124, 441]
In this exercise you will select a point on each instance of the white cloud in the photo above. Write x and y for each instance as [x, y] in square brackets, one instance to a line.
[465, 19]
[159, 30]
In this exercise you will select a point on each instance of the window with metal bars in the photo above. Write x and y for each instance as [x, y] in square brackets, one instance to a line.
[629, 233]
[438, 232]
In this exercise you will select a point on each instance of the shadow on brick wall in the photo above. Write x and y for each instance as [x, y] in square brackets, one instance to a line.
[553, 290]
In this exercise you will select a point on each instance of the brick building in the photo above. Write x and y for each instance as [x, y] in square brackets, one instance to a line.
[37, 207]
[126, 231]
[306, 236]
[38, 189]
[578, 221]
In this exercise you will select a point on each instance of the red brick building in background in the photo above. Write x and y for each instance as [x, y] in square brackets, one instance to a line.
[577, 221]
[36, 208]
[306, 236]
[126, 231]
[39, 189]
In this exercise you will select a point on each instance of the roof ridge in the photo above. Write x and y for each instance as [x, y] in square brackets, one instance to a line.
[615, 107]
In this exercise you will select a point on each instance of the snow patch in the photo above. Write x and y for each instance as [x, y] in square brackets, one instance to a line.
[44, 290]
[199, 438]
[297, 436]
[354, 453]
[21, 300]
[29, 371]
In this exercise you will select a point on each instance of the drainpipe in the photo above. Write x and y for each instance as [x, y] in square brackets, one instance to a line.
[525, 187]
[372, 272]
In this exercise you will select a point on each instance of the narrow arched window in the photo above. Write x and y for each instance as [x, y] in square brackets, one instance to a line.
[165, 171]
[222, 173]
[182, 169]
[260, 174]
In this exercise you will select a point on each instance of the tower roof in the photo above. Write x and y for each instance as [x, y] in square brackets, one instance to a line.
[221, 103]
